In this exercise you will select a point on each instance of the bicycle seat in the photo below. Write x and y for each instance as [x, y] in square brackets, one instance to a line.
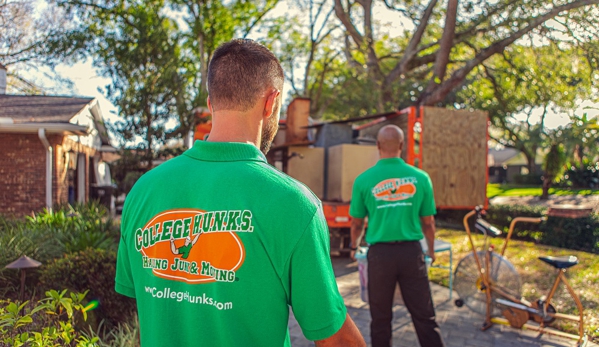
[560, 262]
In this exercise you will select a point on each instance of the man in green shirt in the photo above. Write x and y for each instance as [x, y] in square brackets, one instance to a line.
[264, 240]
[398, 200]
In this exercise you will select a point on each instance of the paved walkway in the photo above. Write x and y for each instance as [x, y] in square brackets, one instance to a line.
[459, 326]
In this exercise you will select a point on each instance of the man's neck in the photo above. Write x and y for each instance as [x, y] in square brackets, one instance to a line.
[234, 126]
[383, 155]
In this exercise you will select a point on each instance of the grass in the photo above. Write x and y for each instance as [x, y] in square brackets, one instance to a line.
[496, 189]
[537, 277]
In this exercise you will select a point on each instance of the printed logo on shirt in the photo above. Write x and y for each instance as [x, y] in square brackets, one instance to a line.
[194, 246]
[395, 189]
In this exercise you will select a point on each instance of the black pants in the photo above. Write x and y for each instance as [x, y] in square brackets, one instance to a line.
[403, 263]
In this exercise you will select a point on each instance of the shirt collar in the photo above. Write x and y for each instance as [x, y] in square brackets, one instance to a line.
[386, 161]
[225, 151]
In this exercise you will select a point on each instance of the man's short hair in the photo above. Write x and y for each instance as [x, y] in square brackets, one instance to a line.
[239, 72]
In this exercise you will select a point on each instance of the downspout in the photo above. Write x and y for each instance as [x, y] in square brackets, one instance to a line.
[42, 135]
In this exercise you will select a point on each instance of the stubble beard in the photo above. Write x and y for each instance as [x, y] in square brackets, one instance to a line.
[269, 130]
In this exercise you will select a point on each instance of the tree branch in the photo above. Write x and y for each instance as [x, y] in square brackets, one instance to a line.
[458, 76]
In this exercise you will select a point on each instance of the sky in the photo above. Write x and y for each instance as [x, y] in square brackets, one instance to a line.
[87, 82]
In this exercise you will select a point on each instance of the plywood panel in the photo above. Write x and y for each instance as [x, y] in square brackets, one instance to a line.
[307, 166]
[454, 154]
[298, 113]
[345, 163]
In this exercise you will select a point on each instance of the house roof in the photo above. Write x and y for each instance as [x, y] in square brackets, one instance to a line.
[40, 108]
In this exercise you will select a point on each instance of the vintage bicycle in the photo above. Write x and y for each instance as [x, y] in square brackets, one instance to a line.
[487, 283]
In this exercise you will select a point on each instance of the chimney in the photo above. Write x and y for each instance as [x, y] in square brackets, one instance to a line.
[2, 80]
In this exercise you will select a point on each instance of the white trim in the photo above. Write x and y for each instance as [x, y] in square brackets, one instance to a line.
[48, 149]
[50, 128]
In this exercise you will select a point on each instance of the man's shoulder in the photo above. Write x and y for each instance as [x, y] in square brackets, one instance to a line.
[282, 184]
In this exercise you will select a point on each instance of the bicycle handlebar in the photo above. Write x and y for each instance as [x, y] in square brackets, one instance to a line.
[487, 228]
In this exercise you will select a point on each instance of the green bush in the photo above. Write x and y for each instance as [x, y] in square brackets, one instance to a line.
[580, 233]
[528, 179]
[47, 235]
[93, 270]
[501, 216]
[49, 322]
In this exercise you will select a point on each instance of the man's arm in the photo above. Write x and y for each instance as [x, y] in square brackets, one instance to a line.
[428, 229]
[357, 226]
[347, 336]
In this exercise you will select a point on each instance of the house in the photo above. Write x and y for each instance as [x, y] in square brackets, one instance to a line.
[50, 151]
[507, 163]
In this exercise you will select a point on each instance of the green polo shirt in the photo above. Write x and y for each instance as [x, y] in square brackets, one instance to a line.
[263, 248]
[394, 195]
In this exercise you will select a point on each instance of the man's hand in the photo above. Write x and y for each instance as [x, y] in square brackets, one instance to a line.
[352, 255]
[431, 254]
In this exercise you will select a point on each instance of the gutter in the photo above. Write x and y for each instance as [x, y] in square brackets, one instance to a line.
[49, 128]
[42, 135]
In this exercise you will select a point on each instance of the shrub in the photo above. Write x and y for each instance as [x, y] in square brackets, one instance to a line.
[93, 270]
[49, 322]
[528, 179]
[580, 233]
[502, 215]
[586, 177]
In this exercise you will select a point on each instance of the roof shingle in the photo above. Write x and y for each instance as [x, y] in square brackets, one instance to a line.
[41, 109]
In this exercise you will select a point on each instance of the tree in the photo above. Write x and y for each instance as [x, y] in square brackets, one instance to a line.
[306, 49]
[527, 82]
[581, 140]
[156, 53]
[445, 51]
[553, 167]
[23, 32]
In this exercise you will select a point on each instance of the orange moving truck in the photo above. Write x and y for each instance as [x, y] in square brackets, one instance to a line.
[450, 145]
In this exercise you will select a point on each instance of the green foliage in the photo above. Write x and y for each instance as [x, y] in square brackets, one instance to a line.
[47, 235]
[502, 215]
[555, 160]
[92, 269]
[126, 334]
[528, 179]
[579, 233]
[585, 177]
[50, 322]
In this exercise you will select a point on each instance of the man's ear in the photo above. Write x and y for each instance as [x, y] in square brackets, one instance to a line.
[271, 103]
[209, 105]
[378, 145]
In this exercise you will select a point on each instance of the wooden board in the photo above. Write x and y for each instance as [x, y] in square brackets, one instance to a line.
[454, 154]
[345, 163]
[298, 113]
[307, 166]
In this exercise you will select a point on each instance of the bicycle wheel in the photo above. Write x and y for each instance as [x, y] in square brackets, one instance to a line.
[469, 286]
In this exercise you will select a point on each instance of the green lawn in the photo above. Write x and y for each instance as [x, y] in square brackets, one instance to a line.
[496, 189]
[536, 276]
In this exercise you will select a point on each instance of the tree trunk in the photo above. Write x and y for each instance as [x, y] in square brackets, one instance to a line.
[530, 159]
[546, 186]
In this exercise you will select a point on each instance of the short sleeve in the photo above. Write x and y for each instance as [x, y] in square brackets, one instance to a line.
[124, 279]
[428, 207]
[315, 299]
[357, 207]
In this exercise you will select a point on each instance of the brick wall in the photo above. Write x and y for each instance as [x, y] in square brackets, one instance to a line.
[23, 172]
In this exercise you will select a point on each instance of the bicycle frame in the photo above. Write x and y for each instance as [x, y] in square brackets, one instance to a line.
[520, 303]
